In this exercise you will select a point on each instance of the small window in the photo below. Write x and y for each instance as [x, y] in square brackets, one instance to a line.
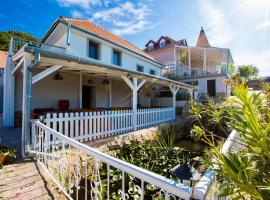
[116, 58]
[153, 72]
[93, 50]
[150, 47]
[140, 68]
[162, 43]
[195, 83]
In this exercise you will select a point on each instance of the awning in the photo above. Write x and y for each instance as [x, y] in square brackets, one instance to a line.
[82, 63]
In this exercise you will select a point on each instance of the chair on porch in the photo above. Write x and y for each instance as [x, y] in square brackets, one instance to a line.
[63, 105]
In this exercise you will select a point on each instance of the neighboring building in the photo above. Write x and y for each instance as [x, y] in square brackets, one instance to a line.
[203, 66]
[3, 58]
[80, 67]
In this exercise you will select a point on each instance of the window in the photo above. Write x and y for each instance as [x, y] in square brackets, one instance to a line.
[153, 72]
[116, 58]
[150, 47]
[162, 43]
[140, 68]
[93, 50]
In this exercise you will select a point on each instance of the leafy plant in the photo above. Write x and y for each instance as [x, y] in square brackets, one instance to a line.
[243, 174]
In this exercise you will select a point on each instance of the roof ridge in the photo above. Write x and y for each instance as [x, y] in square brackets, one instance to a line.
[95, 24]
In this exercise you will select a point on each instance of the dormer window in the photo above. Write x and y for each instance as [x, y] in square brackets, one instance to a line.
[162, 43]
[150, 46]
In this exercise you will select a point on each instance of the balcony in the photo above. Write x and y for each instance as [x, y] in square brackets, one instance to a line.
[171, 69]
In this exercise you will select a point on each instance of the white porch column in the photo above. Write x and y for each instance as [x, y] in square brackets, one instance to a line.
[134, 86]
[110, 93]
[204, 61]
[189, 62]
[26, 107]
[80, 90]
[9, 83]
[174, 91]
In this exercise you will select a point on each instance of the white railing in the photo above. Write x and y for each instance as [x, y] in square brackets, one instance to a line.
[149, 117]
[202, 188]
[82, 172]
[85, 126]
[18, 43]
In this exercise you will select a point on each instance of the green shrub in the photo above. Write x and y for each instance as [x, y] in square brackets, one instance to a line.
[243, 174]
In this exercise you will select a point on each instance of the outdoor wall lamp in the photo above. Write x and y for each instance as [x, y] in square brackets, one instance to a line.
[57, 76]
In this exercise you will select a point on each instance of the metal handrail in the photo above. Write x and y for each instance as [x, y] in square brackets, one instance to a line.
[18, 43]
[168, 186]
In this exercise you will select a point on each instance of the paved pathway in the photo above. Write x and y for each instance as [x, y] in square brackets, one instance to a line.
[26, 180]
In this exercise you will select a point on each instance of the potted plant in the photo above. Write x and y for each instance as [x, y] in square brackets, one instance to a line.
[6, 153]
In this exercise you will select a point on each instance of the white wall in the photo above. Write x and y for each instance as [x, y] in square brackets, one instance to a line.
[47, 92]
[202, 84]
[79, 47]
[162, 101]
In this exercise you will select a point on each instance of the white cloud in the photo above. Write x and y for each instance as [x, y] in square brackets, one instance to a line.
[263, 25]
[127, 18]
[85, 4]
[218, 29]
[77, 14]
[122, 17]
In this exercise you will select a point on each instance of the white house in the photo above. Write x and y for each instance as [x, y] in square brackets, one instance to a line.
[202, 66]
[81, 71]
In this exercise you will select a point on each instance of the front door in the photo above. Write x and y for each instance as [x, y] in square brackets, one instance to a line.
[211, 88]
[86, 97]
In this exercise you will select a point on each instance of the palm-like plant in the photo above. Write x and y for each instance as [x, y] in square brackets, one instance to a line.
[244, 174]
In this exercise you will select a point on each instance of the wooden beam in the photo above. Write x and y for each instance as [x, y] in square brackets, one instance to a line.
[128, 82]
[45, 73]
[141, 84]
[17, 66]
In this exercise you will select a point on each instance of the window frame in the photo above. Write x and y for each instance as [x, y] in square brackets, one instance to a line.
[152, 72]
[97, 49]
[150, 46]
[162, 41]
[115, 51]
[140, 66]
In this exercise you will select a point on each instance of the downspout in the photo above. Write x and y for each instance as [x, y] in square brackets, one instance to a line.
[68, 34]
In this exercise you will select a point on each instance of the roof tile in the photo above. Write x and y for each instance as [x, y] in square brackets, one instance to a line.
[91, 27]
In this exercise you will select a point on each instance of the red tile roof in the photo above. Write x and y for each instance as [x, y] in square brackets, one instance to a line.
[3, 56]
[101, 32]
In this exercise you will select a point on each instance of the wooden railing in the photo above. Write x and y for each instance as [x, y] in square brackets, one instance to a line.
[85, 126]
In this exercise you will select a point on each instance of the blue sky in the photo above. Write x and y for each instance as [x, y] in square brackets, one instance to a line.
[241, 25]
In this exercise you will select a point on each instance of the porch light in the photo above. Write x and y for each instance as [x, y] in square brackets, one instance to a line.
[105, 81]
[57, 76]
[90, 82]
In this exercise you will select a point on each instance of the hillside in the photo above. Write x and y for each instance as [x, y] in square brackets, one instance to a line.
[5, 38]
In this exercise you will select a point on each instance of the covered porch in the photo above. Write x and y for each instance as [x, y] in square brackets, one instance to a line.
[82, 98]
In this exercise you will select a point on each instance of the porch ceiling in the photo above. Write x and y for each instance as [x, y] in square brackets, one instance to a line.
[91, 67]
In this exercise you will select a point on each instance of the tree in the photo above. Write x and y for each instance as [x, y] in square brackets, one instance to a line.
[247, 71]
[5, 38]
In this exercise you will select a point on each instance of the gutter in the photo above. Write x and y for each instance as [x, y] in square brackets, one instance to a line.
[90, 61]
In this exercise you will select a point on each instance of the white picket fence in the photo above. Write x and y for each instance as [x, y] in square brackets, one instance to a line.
[85, 126]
